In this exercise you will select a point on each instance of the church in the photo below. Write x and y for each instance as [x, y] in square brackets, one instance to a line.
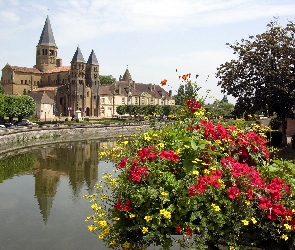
[77, 87]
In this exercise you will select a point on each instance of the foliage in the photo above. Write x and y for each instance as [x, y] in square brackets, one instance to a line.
[263, 74]
[2, 110]
[18, 105]
[186, 89]
[26, 106]
[213, 185]
[221, 108]
[146, 110]
[107, 79]
[1, 88]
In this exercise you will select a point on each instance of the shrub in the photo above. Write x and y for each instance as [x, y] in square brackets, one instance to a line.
[212, 184]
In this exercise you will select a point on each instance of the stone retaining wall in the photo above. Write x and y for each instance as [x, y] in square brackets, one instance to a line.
[23, 137]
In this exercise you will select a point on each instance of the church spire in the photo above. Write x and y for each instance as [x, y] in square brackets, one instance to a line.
[47, 37]
[78, 57]
[92, 59]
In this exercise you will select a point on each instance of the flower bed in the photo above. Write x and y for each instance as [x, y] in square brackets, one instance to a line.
[213, 185]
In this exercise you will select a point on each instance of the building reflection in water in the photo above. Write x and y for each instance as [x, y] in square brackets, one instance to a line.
[78, 161]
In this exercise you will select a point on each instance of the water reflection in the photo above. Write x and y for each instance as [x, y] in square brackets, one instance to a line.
[41, 205]
[41, 193]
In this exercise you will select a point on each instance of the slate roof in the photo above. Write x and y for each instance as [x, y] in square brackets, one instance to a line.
[92, 58]
[41, 97]
[47, 37]
[78, 57]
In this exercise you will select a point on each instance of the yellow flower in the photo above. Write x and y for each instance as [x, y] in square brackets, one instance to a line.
[253, 220]
[216, 208]
[287, 226]
[207, 171]
[178, 151]
[101, 236]
[113, 182]
[246, 223]
[247, 202]
[125, 142]
[102, 223]
[95, 207]
[164, 193]
[131, 215]
[288, 217]
[144, 230]
[107, 230]
[91, 228]
[195, 172]
[148, 218]
[167, 215]
[231, 248]
[284, 237]
[126, 245]
[116, 218]
[144, 248]
[112, 243]
[161, 145]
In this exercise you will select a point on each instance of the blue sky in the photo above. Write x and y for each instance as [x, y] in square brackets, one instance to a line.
[152, 37]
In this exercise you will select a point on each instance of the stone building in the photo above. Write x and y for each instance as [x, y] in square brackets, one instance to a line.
[74, 87]
[77, 87]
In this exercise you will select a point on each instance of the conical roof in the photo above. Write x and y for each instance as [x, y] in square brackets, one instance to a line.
[92, 58]
[78, 57]
[127, 76]
[47, 37]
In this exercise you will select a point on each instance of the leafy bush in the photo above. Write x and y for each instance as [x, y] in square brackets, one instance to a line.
[213, 185]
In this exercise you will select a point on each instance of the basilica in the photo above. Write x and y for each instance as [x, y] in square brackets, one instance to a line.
[77, 87]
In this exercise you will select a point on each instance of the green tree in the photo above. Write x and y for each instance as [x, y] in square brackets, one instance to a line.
[263, 74]
[121, 110]
[185, 92]
[10, 106]
[106, 80]
[27, 106]
[1, 88]
[221, 108]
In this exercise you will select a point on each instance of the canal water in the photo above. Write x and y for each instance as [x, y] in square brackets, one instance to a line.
[41, 204]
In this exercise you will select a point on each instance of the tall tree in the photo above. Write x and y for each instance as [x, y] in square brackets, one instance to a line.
[105, 80]
[263, 74]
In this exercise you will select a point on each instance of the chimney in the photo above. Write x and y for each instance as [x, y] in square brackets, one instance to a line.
[170, 93]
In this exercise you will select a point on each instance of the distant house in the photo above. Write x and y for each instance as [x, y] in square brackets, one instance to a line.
[44, 106]
[128, 92]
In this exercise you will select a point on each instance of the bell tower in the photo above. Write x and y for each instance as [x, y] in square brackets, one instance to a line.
[77, 81]
[46, 50]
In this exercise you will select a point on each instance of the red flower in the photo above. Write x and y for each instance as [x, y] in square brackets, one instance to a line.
[193, 105]
[178, 229]
[264, 203]
[233, 192]
[123, 163]
[163, 82]
[189, 231]
[169, 155]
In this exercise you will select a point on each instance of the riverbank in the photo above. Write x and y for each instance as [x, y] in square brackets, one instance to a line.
[20, 138]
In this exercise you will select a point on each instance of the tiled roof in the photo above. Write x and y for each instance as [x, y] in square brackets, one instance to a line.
[47, 37]
[40, 97]
[25, 70]
[136, 89]
[58, 69]
[105, 90]
[45, 89]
